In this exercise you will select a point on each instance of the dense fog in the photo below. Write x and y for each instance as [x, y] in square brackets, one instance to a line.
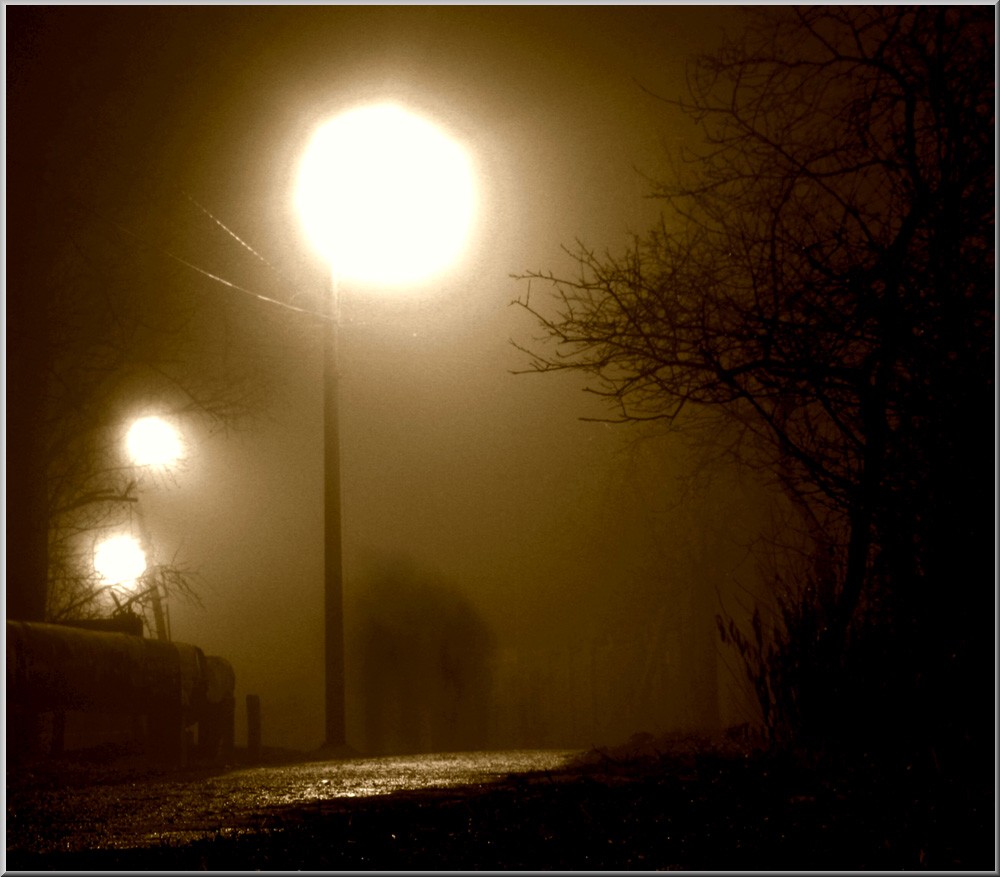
[514, 575]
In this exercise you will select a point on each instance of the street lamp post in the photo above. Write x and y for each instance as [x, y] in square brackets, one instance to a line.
[386, 198]
[333, 567]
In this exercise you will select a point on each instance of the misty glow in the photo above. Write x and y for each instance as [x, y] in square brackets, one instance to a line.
[151, 441]
[119, 560]
[385, 196]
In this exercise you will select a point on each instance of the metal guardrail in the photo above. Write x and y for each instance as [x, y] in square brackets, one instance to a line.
[55, 668]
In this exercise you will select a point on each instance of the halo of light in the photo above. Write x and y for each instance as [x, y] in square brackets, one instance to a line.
[152, 441]
[385, 196]
[119, 560]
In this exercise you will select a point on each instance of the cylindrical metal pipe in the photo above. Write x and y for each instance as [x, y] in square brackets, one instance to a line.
[53, 667]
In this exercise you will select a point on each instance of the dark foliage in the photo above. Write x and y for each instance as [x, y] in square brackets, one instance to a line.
[818, 305]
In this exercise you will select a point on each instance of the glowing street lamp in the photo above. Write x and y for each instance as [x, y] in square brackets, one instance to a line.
[152, 441]
[119, 560]
[386, 198]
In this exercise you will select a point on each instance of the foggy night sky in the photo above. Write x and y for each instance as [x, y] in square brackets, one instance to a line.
[551, 530]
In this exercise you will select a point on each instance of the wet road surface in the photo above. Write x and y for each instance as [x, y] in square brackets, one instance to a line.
[110, 812]
[680, 808]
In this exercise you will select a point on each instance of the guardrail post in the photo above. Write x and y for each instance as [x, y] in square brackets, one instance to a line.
[228, 728]
[253, 727]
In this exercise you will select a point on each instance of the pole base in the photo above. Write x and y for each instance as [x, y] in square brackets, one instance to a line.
[337, 752]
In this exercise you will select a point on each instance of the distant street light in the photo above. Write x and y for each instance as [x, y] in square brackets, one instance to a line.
[386, 198]
[152, 442]
[119, 560]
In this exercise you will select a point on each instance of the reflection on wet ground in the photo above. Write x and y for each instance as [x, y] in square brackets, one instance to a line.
[691, 807]
[136, 812]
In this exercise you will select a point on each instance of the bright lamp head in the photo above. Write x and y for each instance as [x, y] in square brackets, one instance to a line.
[119, 560]
[385, 196]
[152, 441]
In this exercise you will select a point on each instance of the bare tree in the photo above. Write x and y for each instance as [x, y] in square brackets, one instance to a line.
[132, 332]
[819, 293]
[114, 299]
[107, 320]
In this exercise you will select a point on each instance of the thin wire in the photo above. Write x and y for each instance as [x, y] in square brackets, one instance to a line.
[235, 287]
[230, 232]
[239, 240]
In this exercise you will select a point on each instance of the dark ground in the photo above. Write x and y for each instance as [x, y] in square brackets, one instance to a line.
[666, 804]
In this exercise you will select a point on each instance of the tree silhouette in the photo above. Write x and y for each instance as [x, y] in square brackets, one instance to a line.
[818, 301]
[425, 658]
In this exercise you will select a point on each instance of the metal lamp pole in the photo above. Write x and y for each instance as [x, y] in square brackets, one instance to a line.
[333, 562]
[160, 617]
[368, 163]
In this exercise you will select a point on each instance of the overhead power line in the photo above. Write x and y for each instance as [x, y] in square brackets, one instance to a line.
[235, 287]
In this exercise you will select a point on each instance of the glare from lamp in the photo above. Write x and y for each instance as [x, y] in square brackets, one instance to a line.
[385, 196]
[152, 441]
[119, 560]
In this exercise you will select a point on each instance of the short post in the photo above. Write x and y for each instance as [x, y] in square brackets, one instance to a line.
[253, 727]
[228, 728]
